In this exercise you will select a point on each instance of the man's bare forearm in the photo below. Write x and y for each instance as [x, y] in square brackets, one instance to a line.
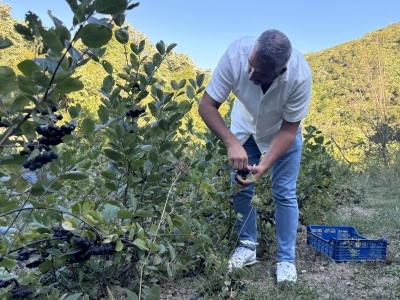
[280, 144]
[208, 111]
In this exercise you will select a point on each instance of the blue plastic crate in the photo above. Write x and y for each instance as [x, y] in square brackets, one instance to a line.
[343, 243]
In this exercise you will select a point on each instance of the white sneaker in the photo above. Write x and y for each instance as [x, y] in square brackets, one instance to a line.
[241, 258]
[285, 271]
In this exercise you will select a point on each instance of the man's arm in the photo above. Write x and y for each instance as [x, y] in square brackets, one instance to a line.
[280, 144]
[208, 110]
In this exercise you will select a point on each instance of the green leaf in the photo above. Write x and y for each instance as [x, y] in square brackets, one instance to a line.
[143, 213]
[111, 186]
[108, 174]
[73, 175]
[170, 47]
[5, 42]
[190, 92]
[114, 155]
[108, 83]
[95, 35]
[53, 251]
[111, 7]
[155, 293]
[109, 294]
[153, 157]
[124, 214]
[141, 244]
[107, 66]
[19, 103]
[43, 230]
[161, 47]
[133, 6]
[157, 59]
[154, 178]
[24, 31]
[70, 85]
[182, 83]
[14, 159]
[103, 114]
[7, 276]
[51, 40]
[36, 204]
[131, 295]
[28, 67]
[87, 126]
[122, 36]
[7, 80]
[73, 296]
[7, 263]
[200, 79]
[148, 68]
[119, 246]
[146, 147]
[26, 85]
[141, 45]
[174, 85]
[119, 19]
[73, 111]
[185, 106]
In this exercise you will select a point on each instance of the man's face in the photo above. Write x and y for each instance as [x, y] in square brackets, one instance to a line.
[260, 72]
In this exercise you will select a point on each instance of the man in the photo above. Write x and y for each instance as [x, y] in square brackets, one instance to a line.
[272, 85]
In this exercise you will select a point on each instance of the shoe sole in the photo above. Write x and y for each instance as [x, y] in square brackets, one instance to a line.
[245, 265]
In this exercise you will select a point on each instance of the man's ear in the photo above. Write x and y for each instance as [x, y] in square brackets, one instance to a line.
[283, 71]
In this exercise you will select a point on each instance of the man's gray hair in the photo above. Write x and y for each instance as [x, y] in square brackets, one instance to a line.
[273, 47]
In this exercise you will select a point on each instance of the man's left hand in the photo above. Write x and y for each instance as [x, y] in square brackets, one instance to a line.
[255, 173]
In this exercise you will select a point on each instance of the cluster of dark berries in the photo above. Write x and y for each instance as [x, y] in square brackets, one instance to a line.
[19, 292]
[34, 264]
[61, 233]
[24, 254]
[83, 242]
[133, 113]
[242, 173]
[52, 134]
[88, 248]
[5, 283]
[102, 250]
[40, 160]
[143, 180]
[208, 214]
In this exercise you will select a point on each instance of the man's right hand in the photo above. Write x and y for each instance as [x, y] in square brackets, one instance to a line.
[237, 157]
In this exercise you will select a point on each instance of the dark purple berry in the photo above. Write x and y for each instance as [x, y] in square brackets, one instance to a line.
[26, 164]
[38, 164]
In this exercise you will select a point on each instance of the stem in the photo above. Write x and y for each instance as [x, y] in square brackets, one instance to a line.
[16, 236]
[158, 228]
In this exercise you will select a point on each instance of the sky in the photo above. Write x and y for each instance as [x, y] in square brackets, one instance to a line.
[204, 28]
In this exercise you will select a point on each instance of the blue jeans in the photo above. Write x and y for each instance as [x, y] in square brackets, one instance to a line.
[284, 177]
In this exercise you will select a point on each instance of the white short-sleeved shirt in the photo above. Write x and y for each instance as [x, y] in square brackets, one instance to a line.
[255, 113]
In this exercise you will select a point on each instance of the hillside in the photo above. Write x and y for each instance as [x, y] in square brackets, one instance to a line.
[356, 92]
